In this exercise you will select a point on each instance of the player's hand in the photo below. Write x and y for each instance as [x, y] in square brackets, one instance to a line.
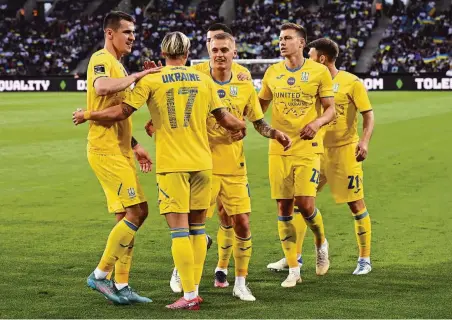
[283, 139]
[77, 117]
[143, 158]
[145, 72]
[148, 64]
[242, 76]
[238, 135]
[361, 151]
[310, 130]
[149, 127]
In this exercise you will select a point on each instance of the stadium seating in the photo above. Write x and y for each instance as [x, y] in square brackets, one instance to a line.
[347, 22]
[417, 41]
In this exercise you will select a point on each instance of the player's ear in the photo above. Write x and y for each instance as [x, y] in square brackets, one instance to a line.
[235, 54]
[109, 33]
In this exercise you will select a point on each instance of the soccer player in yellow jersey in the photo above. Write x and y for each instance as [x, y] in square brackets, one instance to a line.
[241, 72]
[230, 182]
[111, 148]
[341, 164]
[179, 101]
[298, 88]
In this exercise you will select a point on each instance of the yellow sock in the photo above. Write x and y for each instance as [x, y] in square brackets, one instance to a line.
[300, 227]
[243, 247]
[363, 232]
[199, 244]
[183, 257]
[225, 240]
[122, 266]
[288, 237]
[315, 223]
[117, 244]
[109, 275]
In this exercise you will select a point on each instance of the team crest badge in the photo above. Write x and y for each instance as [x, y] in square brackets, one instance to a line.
[131, 192]
[335, 87]
[233, 91]
[305, 76]
[221, 93]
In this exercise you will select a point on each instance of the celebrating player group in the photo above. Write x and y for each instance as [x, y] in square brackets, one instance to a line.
[197, 118]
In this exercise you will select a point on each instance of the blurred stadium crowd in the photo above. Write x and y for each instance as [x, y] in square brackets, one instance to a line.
[418, 38]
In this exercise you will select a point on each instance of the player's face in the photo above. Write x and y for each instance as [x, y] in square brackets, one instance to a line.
[210, 35]
[221, 54]
[290, 43]
[123, 38]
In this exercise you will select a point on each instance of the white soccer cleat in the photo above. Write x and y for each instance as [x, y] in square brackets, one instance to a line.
[175, 283]
[282, 265]
[291, 280]
[322, 263]
[278, 265]
[362, 268]
[243, 293]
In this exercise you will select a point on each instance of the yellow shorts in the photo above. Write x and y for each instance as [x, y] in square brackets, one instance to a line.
[233, 192]
[118, 177]
[292, 176]
[180, 192]
[343, 173]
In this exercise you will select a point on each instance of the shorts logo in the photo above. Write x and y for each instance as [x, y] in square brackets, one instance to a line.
[99, 69]
[335, 87]
[305, 76]
[131, 192]
[221, 93]
[233, 91]
[291, 81]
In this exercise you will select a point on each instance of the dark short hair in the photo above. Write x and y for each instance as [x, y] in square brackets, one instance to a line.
[220, 26]
[293, 26]
[327, 47]
[113, 19]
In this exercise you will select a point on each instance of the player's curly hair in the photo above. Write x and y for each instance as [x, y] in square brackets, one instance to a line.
[175, 45]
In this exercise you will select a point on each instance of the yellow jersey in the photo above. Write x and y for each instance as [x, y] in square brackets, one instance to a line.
[241, 99]
[111, 138]
[204, 67]
[179, 99]
[350, 96]
[296, 102]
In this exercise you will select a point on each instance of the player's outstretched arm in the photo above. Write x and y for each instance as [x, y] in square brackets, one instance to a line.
[267, 131]
[264, 104]
[227, 120]
[116, 113]
[107, 85]
[368, 127]
[311, 129]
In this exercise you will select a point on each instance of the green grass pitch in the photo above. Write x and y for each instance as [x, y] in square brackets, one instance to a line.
[54, 223]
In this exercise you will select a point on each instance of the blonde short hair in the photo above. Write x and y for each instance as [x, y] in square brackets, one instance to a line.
[175, 44]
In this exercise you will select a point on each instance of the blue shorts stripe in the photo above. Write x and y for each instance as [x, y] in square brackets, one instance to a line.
[197, 232]
[281, 218]
[179, 235]
[130, 225]
[362, 215]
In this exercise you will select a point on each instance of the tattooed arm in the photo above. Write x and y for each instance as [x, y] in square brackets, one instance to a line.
[227, 120]
[264, 129]
[267, 131]
[116, 113]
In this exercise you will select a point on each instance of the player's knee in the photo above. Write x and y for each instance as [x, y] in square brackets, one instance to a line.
[306, 205]
[144, 211]
[242, 225]
[357, 206]
[225, 220]
[285, 207]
